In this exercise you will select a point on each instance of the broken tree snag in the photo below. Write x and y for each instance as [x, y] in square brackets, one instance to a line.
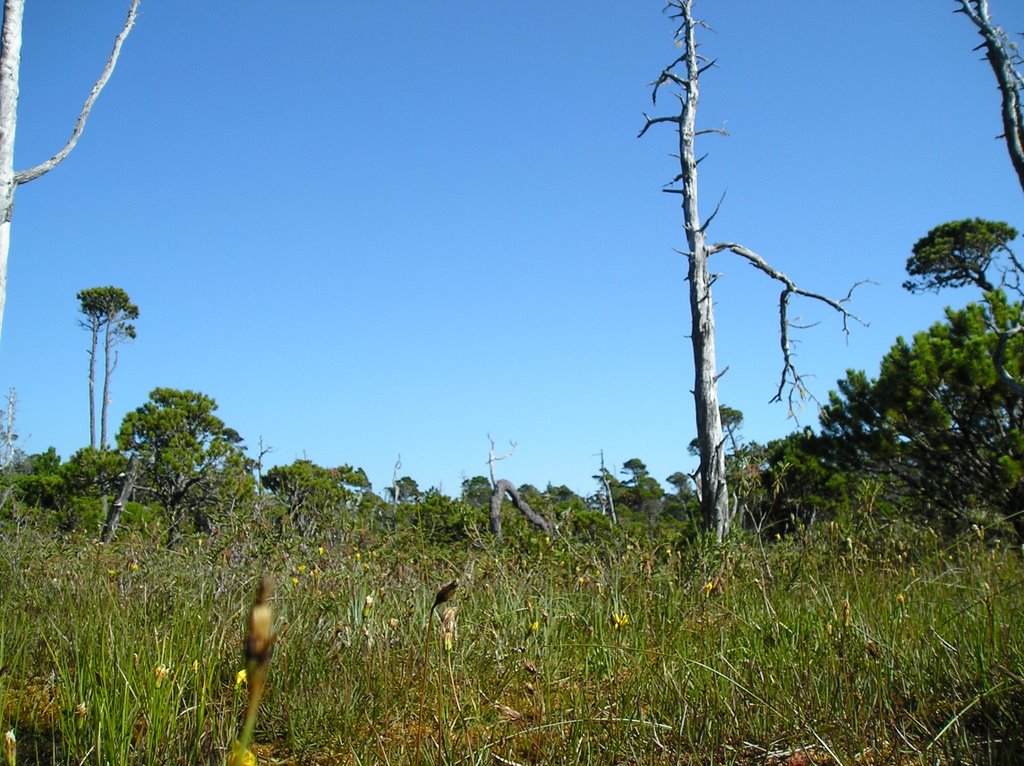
[682, 77]
[504, 487]
[117, 507]
[1005, 59]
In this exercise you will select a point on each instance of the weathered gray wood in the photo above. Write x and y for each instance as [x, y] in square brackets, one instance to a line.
[504, 487]
[1004, 60]
[10, 65]
[110, 524]
[711, 480]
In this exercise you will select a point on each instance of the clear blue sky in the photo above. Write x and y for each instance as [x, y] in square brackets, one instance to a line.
[372, 229]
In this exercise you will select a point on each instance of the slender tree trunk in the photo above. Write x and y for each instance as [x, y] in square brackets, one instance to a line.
[712, 485]
[108, 370]
[714, 494]
[10, 64]
[92, 384]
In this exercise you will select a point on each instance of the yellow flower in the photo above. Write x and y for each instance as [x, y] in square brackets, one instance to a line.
[901, 599]
[134, 567]
[241, 677]
[320, 550]
[534, 627]
[708, 587]
[301, 569]
[112, 572]
[195, 666]
[241, 757]
[619, 621]
[295, 581]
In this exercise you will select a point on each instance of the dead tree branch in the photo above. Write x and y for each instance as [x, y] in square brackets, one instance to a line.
[492, 458]
[790, 378]
[24, 176]
[1004, 58]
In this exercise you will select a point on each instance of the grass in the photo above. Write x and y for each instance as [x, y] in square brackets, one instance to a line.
[881, 647]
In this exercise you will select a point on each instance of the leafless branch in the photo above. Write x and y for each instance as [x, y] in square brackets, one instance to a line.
[714, 212]
[31, 174]
[790, 377]
[492, 458]
[654, 121]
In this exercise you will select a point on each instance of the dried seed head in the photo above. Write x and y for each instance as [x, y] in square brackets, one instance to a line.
[444, 594]
[448, 626]
[10, 747]
[261, 624]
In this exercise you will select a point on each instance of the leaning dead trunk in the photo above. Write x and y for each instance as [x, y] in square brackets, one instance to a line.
[503, 487]
[117, 508]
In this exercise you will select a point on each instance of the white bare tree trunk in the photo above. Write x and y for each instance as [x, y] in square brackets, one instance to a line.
[712, 483]
[10, 65]
[713, 487]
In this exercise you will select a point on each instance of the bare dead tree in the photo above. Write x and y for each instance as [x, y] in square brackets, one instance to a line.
[503, 487]
[10, 66]
[682, 77]
[1005, 59]
[610, 501]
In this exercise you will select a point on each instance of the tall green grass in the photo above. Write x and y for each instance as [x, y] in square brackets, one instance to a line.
[874, 646]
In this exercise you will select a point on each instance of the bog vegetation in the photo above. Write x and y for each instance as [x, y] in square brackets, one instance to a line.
[866, 609]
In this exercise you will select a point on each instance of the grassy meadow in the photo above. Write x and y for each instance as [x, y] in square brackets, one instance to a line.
[883, 644]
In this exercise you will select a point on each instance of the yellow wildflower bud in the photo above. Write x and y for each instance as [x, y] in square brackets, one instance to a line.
[534, 627]
[241, 677]
[619, 621]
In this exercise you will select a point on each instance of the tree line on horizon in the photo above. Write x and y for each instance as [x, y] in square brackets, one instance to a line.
[938, 435]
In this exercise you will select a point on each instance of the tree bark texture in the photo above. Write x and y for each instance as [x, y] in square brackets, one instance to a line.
[503, 487]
